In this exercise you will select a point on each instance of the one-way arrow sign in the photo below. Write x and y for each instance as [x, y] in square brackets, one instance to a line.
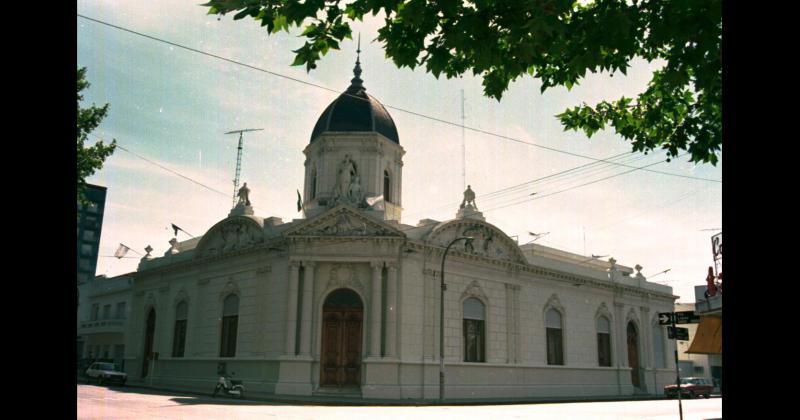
[665, 318]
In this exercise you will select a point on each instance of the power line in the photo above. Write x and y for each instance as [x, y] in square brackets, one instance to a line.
[179, 174]
[387, 106]
[578, 186]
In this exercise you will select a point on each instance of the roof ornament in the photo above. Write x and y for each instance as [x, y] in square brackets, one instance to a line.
[356, 82]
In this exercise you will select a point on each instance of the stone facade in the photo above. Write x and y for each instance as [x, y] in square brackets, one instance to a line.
[283, 276]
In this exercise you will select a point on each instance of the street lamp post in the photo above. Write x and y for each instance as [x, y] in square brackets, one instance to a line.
[441, 316]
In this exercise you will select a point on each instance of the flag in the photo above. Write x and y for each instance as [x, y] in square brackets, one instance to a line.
[376, 202]
[299, 201]
[121, 251]
[176, 229]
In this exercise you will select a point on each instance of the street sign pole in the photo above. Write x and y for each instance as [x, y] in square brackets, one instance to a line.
[677, 371]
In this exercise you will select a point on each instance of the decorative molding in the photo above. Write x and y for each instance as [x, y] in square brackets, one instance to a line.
[343, 221]
[181, 296]
[602, 310]
[345, 276]
[474, 289]
[554, 302]
[230, 288]
[489, 241]
[232, 234]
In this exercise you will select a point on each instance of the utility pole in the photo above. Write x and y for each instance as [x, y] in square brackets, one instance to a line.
[677, 369]
[239, 161]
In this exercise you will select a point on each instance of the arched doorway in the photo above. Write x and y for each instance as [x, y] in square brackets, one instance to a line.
[633, 354]
[150, 329]
[342, 318]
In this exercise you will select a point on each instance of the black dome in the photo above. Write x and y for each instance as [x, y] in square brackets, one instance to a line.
[356, 110]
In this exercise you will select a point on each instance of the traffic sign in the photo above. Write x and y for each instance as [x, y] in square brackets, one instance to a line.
[678, 333]
[665, 318]
[686, 317]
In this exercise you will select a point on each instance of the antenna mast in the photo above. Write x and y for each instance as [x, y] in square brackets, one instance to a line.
[463, 147]
[239, 160]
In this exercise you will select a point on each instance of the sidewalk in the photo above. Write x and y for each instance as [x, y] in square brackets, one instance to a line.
[326, 400]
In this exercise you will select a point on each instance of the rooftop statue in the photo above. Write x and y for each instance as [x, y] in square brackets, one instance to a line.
[244, 195]
[469, 198]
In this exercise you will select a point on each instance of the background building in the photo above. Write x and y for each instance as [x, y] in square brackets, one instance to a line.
[90, 224]
[103, 319]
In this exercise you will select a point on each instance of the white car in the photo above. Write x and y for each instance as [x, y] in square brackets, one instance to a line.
[105, 372]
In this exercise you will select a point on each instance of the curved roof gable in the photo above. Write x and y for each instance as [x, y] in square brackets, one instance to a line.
[489, 241]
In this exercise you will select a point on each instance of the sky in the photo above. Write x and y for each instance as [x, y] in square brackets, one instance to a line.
[170, 109]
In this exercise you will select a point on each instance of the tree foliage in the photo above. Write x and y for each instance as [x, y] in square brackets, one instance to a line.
[90, 158]
[555, 41]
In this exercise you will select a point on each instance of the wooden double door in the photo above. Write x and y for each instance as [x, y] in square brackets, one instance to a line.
[342, 320]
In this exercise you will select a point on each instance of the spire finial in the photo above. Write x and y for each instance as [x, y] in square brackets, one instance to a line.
[356, 82]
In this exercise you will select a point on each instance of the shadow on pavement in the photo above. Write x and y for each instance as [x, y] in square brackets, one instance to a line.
[182, 397]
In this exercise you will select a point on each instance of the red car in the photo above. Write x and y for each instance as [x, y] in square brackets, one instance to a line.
[690, 388]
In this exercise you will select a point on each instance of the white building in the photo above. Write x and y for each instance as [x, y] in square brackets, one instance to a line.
[103, 311]
[346, 300]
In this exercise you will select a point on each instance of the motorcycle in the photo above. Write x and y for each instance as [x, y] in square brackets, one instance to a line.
[229, 386]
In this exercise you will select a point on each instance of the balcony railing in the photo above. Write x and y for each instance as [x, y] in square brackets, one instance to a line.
[103, 325]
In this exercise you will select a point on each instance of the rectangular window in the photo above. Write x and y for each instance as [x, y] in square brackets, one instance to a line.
[90, 221]
[228, 344]
[179, 339]
[85, 264]
[604, 349]
[555, 350]
[86, 250]
[95, 311]
[88, 235]
[474, 339]
[121, 310]
[106, 311]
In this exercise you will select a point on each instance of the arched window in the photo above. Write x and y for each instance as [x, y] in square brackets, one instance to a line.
[603, 341]
[474, 331]
[230, 322]
[555, 344]
[658, 346]
[387, 187]
[313, 184]
[179, 335]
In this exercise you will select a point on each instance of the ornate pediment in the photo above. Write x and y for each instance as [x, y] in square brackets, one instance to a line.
[343, 221]
[232, 234]
[488, 241]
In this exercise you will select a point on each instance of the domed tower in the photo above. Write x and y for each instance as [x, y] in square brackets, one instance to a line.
[354, 156]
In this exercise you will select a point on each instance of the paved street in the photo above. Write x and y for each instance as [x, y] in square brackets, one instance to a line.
[99, 402]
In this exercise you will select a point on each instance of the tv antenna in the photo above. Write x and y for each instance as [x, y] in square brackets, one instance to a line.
[239, 160]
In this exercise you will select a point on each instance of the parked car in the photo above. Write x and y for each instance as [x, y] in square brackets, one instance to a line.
[690, 388]
[103, 372]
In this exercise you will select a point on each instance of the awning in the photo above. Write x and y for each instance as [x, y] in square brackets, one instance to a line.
[708, 338]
